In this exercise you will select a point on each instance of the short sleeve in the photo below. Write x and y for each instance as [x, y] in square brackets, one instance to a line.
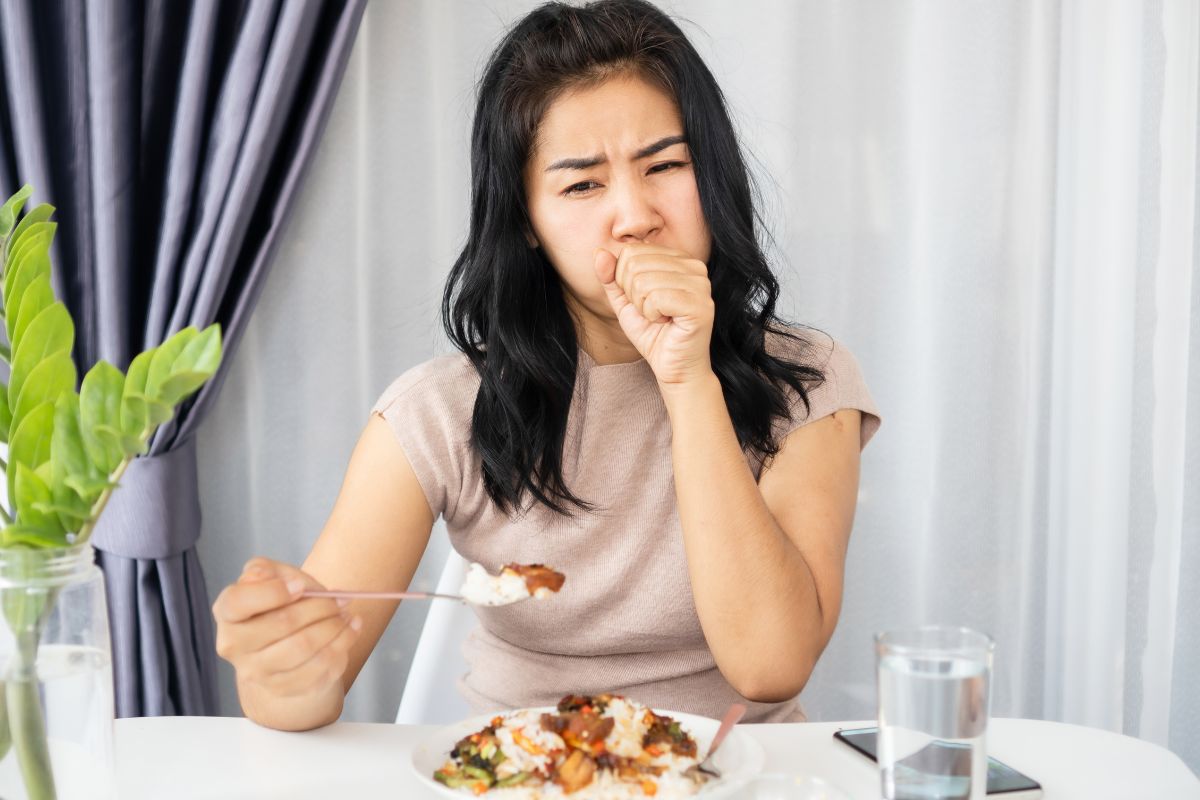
[843, 387]
[428, 409]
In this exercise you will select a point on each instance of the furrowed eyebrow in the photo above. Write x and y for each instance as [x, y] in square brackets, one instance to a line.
[661, 144]
[576, 163]
[592, 161]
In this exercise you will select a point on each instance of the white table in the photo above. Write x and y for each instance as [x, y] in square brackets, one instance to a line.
[216, 758]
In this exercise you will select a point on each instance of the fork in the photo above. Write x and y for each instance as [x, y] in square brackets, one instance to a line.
[732, 717]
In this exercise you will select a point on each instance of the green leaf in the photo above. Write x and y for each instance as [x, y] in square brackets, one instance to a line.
[36, 238]
[31, 489]
[41, 213]
[89, 487]
[163, 361]
[67, 454]
[178, 387]
[72, 509]
[131, 446]
[30, 444]
[100, 404]
[71, 517]
[157, 413]
[203, 354]
[37, 298]
[12, 207]
[51, 332]
[5, 414]
[135, 419]
[151, 412]
[22, 272]
[133, 410]
[76, 481]
[32, 536]
[52, 377]
[193, 366]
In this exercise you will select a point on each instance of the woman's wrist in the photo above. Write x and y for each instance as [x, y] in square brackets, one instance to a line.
[316, 709]
[692, 394]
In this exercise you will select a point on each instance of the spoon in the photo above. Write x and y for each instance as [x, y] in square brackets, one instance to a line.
[354, 595]
[384, 595]
[480, 588]
[732, 717]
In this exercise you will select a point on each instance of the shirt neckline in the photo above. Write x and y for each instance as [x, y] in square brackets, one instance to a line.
[589, 364]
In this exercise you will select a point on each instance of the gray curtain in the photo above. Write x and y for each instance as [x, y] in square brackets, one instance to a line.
[172, 137]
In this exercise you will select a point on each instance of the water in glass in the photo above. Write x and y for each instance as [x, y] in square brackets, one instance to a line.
[933, 712]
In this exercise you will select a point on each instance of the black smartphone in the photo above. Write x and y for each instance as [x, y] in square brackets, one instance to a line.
[1002, 781]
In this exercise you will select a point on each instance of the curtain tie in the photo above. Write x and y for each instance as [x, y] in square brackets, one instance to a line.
[155, 512]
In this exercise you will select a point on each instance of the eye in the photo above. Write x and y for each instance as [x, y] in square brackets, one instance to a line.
[583, 187]
[668, 165]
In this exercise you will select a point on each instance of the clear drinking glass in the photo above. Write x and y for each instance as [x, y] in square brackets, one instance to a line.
[934, 689]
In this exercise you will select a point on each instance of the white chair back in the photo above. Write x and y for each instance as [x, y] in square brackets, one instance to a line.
[431, 693]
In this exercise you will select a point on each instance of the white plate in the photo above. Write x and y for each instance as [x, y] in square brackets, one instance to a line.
[739, 759]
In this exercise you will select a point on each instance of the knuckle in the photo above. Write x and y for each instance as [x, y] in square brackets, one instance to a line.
[307, 642]
[324, 658]
[252, 671]
[219, 606]
[224, 646]
[346, 639]
[291, 617]
[294, 650]
[278, 683]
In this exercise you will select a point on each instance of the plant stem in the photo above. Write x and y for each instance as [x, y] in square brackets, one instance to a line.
[4, 514]
[27, 611]
[27, 720]
[5, 730]
[86, 531]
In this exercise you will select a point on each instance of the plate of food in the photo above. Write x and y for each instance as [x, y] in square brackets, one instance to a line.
[602, 747]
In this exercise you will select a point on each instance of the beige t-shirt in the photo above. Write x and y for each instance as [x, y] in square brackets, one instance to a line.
[625, 621]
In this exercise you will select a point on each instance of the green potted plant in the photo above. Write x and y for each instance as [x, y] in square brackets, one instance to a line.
[67, 446]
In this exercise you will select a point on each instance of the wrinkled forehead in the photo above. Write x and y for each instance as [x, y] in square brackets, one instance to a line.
[614, 117]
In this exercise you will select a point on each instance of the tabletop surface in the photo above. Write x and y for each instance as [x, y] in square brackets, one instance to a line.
[189, 758]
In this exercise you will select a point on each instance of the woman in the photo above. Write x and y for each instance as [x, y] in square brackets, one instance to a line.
[626, 408]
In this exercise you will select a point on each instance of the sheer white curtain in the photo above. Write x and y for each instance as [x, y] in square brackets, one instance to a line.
[992, 204]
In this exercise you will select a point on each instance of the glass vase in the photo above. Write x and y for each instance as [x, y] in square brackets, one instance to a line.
[56, 709]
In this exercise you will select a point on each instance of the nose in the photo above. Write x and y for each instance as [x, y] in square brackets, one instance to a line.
[635, 217]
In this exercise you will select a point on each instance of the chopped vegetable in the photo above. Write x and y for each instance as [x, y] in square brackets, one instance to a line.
[604, 735]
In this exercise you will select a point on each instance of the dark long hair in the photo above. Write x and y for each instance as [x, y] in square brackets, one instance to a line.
[503, 304]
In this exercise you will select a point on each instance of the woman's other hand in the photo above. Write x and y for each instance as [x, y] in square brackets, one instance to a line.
[288, 645]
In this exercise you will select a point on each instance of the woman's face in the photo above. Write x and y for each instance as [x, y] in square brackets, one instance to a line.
[610, 167]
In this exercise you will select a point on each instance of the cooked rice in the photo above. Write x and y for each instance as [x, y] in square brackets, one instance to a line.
[631, 721]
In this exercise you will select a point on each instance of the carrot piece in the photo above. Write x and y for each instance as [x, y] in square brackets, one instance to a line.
[525, 744]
